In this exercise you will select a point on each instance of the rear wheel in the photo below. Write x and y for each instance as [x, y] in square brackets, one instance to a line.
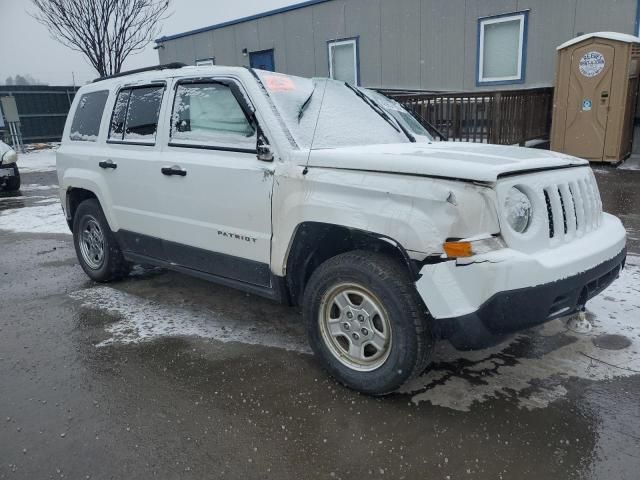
[366, 322]
[96, 247]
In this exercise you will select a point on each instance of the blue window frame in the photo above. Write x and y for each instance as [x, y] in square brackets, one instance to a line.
[502, 49]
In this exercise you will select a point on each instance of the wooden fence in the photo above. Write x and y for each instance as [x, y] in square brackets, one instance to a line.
[505, 117]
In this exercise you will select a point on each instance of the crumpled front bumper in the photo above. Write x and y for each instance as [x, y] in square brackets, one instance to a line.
[505, 290]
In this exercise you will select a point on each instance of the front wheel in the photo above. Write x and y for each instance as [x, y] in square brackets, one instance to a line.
[366, 322]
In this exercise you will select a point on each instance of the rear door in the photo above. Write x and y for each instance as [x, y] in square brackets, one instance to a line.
[215, 194]
[129, 165]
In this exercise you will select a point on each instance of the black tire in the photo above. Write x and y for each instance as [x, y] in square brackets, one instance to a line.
[411, 340]
[112, 265]
[13, 183]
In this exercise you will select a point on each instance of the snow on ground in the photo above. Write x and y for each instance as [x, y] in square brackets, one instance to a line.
[460, 379]
[45, 216]
[631, 163]
[32, 187]
[37, 161]
[144, 320]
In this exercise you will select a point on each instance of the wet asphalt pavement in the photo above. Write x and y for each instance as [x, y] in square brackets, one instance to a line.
[165, 376]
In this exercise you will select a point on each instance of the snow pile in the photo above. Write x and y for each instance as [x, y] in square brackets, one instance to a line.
[553, 354]
[37, 161]
[31, 187]
[45, 216]
[144, 320]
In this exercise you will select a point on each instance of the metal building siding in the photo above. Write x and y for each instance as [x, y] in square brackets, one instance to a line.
[246, 37]
[271, 33]
[328, 24]
[203, 45]
[300, 48]
[550, 24]
[426, 44]
[362, 20]
[443, 55]
[602, 16]
[224, 46]
[400, 44]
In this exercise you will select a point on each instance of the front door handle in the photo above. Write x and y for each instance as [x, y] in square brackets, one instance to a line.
[108, 164]
[175, 170]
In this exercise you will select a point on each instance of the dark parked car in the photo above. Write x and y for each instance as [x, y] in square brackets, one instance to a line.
[9, 174]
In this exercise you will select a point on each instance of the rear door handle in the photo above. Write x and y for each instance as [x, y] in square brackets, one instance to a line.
[108, 164]
[175, 170]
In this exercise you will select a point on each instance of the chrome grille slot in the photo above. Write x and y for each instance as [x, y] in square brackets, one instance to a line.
[573, 208]
[549, 214]
[569, 204]
[556, 211]
[564, 211]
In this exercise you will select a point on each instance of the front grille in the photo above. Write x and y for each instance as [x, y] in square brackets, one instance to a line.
[573, 207]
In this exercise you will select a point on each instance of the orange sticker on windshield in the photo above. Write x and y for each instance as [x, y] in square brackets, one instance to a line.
[277, 83]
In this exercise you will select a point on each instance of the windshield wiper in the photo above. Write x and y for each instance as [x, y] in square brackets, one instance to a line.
[305, 104]
[382, 112]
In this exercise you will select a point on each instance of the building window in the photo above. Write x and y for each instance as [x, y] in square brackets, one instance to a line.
[502, 48]
[343, 60]
[205, 62]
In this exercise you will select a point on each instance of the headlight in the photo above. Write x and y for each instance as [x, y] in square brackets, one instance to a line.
[518, 209]
[9, 157]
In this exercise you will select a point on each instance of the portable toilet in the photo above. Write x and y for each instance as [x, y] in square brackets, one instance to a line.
[595, 96]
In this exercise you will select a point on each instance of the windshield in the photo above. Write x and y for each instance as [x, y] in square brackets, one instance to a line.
[323, 113]
[402, 116]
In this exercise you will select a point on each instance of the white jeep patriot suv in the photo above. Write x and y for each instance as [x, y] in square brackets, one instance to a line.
[328, 196]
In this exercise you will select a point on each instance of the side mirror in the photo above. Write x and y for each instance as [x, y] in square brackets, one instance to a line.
[263, 150]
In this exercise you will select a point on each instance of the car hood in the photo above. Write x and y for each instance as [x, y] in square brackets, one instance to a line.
[465, 161]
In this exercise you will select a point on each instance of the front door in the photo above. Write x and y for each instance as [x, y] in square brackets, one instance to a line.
[215, 193]
[588, 101]
[262, 60]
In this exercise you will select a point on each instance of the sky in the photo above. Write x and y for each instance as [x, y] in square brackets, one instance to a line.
[26, 48]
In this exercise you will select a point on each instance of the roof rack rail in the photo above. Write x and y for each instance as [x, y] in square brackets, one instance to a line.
[164, 66]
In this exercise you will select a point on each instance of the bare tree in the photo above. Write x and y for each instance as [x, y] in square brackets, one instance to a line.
[105, 31]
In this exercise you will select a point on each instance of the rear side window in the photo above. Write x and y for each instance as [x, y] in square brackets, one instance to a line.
[208, 114]
[88, 115]
[135, 115]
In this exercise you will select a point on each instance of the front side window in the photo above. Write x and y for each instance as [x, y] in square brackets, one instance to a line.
[343, 60]
[135, 115]
[88, 115]
[501, 49]
[209, 114]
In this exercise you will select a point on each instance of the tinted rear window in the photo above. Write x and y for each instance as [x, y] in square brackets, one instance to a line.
[86, 120]
[135, 114]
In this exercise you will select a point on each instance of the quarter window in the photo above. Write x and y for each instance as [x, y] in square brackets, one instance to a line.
[88, 115]
[343, 60]
[135, 115]
[208, 114]
[501, 48]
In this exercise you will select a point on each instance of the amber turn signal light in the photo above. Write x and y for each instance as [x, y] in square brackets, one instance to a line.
[458, 249]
